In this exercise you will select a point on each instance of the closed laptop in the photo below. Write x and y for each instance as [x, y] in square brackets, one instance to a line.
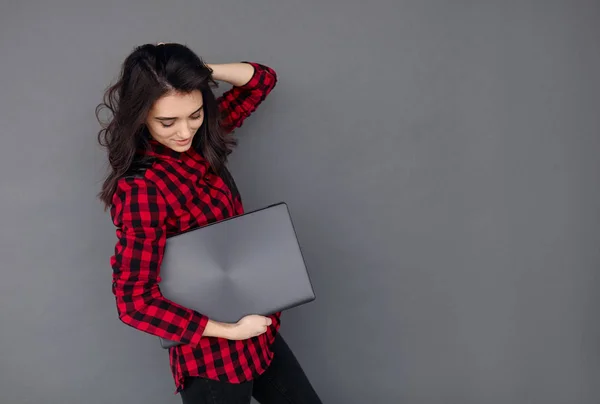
[247, 264]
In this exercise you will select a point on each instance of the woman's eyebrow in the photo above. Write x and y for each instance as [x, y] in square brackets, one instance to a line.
[164, 118]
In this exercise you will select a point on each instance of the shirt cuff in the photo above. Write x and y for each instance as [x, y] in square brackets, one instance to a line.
[195, 329]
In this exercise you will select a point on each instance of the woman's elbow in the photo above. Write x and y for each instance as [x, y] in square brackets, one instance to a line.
[130, 308]
[133, 301]
[132, 315]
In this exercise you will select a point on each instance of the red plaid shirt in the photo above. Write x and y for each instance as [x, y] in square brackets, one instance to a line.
[177, 192]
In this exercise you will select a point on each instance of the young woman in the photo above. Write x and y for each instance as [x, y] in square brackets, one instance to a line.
[167, 140]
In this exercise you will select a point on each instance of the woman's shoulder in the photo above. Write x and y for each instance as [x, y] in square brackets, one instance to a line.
[137, 179]
[139, 168]
[137, 200]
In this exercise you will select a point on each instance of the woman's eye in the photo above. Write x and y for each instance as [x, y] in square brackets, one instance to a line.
[196, 117]
[166, 125]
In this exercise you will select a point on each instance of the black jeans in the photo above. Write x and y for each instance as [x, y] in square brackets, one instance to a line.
[284, 382]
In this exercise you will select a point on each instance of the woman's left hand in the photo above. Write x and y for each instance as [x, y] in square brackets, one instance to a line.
[236, 74]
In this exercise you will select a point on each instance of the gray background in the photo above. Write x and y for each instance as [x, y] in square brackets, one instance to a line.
[439, 158]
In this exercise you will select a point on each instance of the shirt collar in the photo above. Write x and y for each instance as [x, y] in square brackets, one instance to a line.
[156, 149]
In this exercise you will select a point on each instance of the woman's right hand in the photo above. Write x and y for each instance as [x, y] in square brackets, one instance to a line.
[250, 326]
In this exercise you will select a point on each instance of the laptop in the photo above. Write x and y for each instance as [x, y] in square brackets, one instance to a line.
[246, 264]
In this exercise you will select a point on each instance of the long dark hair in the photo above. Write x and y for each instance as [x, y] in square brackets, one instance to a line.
[147, 74]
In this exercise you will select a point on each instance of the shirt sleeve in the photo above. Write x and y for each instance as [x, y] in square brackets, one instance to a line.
[139, 213]
[239, 103]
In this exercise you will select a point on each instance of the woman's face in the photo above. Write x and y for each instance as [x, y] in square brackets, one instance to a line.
[175, 118]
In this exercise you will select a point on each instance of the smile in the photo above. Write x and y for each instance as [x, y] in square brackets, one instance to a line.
[183, 142]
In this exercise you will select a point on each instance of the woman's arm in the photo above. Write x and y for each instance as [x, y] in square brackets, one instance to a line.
[139, 214]
[252, 82]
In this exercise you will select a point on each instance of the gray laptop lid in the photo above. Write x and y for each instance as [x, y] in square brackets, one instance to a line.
[248, 264]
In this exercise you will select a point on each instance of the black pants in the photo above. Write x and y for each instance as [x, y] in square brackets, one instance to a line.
[284, 382]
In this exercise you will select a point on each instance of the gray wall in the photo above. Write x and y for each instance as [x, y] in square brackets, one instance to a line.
[439, 158]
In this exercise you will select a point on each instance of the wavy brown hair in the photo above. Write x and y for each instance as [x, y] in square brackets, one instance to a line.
[147, 74]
